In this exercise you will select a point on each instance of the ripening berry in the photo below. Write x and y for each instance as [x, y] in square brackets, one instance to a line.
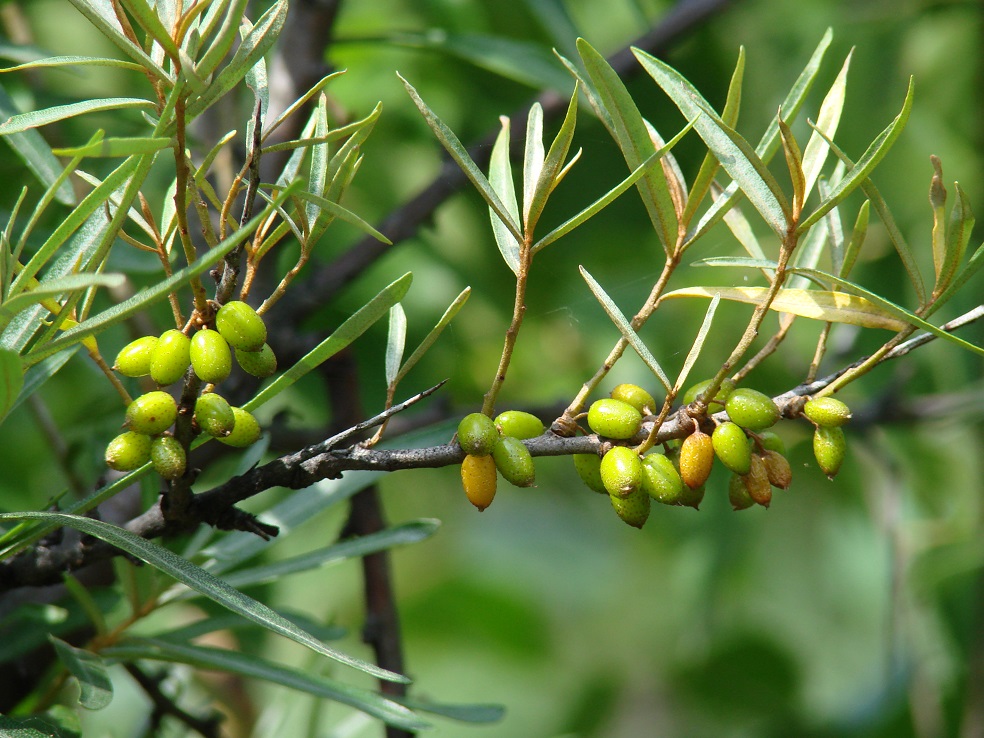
[171, 357]
[210, 356]
[479, 480]
[614, 419]
[241, 326]
[514, 462]
[738, 493]
[151, 413]
[829, 447]
[732, 447]
[518, 424]
[214, 415]
[696, 459]
[168, 456]
[726, 388]
[262, 363]
[770, 441]
[636, 396]
[752, 409]
[633, 509]
[133, 360]
[477, 434]
[588, 467]
[128, 451]
[778, 469]
[245, 432]
[621, 471]
[757, 482]
[827, 411]
[661, 480]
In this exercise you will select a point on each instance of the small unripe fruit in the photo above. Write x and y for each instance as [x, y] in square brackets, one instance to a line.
[477, 434]
[210, 356]
[633, 509]
[214, 415]
[133, 360]
[726, 388]
[829, 447]
[171, 357]
[778, 469]
[479, 480]
[752, 409]
[636, 396]
[168, 456]
[757, 482]
[245, 432]
[151, 413]
[827, 411]
[732, 447]
[241, 326]
[770, 441]
[661, 480]
[514, 462]
[588, 467]
[262, 363]
[614, 419]
[128, 451]
[696, 459]
[518, 424]
[738, 493]
[621, 471]
[692, 497]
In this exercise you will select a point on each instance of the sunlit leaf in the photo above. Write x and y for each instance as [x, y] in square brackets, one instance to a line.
[224, 37]
[501, 180]
[395, 341]
[109, 147]
[38, 118]
[11, 380]
[101, 16]
[815, 153]
[55, 287]
[434, 333]
[533, 156]
[74, 61]
[147, 17]
[698, 344]
[553, 165]
[958, 231]
[857, 240]
[96, 688]
[794, 163]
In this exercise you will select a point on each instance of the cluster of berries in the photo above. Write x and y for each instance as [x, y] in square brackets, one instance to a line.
[166, 360]
[492, 445]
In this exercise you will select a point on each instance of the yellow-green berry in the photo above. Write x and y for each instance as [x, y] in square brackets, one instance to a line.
[696, 459]
[479, 480]
[770, 440]
[614, 419]
[632, 509]
[514, 462]
[827, 411]
[211, 356]
[636, 396]
[738, 493]
[732, 447]
[241, 326]
[128, 451]
[518, 424]
[621, 471]
[477, 434]
[133, 360]
[171, 357]
[168, 456]
[661, 480]
[751, 409]
[778, 468]
[151, 413]
[245, 432]
[829, 448]
[588, 467]
[726, 388]
[214, 415]
[261, 363]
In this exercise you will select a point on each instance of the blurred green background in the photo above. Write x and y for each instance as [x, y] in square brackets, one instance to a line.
[849, 608]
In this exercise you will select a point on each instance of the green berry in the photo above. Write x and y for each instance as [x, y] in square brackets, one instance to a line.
[241, 326]
[661, 480]
[262, 363]
[726, 388]
[477, 434]
[588, 467]
[633, 509]
[757, 482]
[696, 459]
[752, 409]
[829, 447]
[636, 396]
[245, 432]
[171, 357]
[738, 493]
[210, 356]
[152, 413]
[778, 468]
[732, 447]
[128, 451]
[692, 497]
[621, 471]
[770, 441]
[168, 456]
[827, 411]
[518, 424]
[133, 360]
[614, 419]
[514, 462]
[214, 415]
[478, 479]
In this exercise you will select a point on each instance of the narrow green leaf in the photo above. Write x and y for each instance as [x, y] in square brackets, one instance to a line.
[298, 104]
[868, 161]
[857, 240]
[95, 685]
[11, 381]
[55, 287]
[347, 332]
[38, 118]
[937, 201]
[501, 180]
[973, 264]
[201, 581]
[108, 147]
[625, 328]
[698, 345]
[833, 307]
[102, 17]
[794, 162]
[147, 18]
[436, 331]
[817, 149]
[590, 93]
[480, 714]
[958, 231]
[318, 177]
[744, 262]
[460, 155]
[224, 38]
[230, 621]
[75, 61]
[339, 212]
[740, 228]
[395, 342]
[553, 165]
[533, 156]
[254, 667]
